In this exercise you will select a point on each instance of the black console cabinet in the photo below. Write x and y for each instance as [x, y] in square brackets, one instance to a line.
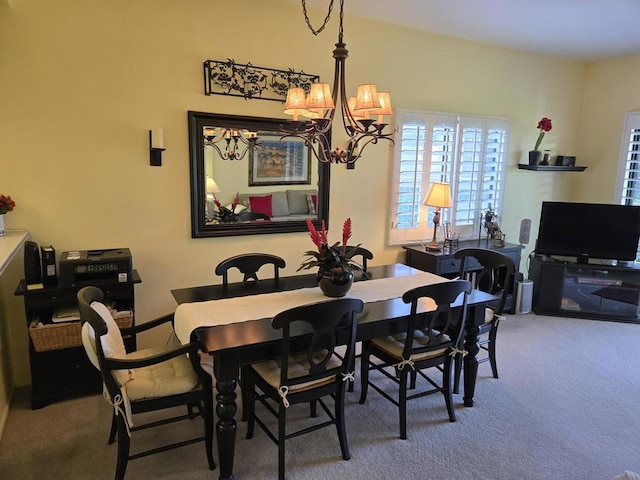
[444, 264]
[604, 292]
[63, 372]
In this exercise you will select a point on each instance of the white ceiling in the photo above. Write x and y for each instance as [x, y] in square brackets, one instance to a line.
[585, 30]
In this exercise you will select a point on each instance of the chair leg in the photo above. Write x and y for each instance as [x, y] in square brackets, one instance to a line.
[457, 372]
[112, 433]
[364, 373]
[402, 403]
[250, 404]
[208, 425]
[244, 392]
[340, 422]
[282, 414]
[123, 447]
[447, 388]
[492, 351]
[414, 376]
[313, 408]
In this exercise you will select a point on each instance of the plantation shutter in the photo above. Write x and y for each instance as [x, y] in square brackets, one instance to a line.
[628, 185]
[467, 152]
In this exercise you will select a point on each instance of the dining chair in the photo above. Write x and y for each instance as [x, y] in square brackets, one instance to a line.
[153, 379]
[251, 216]
[433, 337]
[364, 255]
[306, 375]
[249, 264]
[492, 272]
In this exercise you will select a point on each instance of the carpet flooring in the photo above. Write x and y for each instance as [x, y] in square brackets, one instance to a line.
[566, 406]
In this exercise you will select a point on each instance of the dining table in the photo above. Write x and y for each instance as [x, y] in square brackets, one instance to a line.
[233, 324]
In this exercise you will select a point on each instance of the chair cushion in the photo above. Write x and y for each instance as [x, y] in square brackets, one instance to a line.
[171, 377]
[298, 367]
[489, 313]
[394, 345]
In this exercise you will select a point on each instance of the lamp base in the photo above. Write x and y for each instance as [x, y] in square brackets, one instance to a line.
[433, 246]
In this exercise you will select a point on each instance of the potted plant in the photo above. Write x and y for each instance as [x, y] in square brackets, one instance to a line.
[544, 125]
[6, 205]
[225, 214]
[334, 262]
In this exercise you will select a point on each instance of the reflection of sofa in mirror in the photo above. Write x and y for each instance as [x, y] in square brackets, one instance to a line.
[283, 205]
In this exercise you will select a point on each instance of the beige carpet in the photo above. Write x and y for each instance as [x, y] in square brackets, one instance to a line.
[566, 407]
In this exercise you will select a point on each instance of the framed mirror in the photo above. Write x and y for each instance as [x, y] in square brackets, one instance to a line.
[247, 180]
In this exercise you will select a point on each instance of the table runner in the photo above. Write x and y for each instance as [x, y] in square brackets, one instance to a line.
[190, 316]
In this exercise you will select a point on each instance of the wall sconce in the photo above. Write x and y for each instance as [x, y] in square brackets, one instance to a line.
[439, 196]
[156, 146]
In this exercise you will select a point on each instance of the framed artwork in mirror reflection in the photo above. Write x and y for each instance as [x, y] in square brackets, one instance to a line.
[276, 161]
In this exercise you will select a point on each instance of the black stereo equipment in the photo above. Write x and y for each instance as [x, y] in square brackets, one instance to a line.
[32, 271]
[48, 256]
[90, 267]
[565, 161]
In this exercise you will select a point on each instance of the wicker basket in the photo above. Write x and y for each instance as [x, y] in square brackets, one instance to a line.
[56, 336]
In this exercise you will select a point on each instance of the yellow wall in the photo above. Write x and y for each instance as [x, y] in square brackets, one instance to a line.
[83, 81]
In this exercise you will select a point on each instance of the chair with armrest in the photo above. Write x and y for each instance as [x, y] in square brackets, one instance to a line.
[494, 277]
[433, 337]
[146, 380]
[306, 373]
[249, 264]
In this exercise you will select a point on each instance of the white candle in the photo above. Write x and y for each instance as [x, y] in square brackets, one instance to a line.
[157, 138]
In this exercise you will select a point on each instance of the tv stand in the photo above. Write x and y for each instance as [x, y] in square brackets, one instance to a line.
[586, 290]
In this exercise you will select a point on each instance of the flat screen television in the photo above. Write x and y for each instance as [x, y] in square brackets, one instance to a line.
[589, 230]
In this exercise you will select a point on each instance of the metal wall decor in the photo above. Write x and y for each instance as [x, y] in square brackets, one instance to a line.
[249, 81]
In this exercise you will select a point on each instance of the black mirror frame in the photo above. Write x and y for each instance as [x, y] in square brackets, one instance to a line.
[199, 228]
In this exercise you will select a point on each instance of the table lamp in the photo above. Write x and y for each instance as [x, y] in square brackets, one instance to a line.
[439, 196]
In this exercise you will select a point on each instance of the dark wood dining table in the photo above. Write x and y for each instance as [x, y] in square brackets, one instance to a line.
[237, 344]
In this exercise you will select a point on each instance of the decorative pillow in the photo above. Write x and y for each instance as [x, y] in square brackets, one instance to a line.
[239, 208]
[279, 204]
[312, 203]
[261, 204]
[298, 201]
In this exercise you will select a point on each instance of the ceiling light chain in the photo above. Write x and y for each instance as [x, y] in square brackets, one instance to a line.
[326, 19]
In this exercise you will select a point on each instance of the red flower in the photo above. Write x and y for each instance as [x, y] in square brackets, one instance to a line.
[544, 125]
[6, 204]
[346, 234]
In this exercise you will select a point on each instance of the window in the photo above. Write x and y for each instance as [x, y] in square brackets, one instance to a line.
[628, 184]
[468, 152]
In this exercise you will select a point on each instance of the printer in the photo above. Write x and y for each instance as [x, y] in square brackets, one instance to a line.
[91, 267]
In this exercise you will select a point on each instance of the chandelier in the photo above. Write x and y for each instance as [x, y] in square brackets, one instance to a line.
[234, 140]
[362, 115]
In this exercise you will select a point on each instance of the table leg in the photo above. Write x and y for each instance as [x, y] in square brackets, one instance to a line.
[470, 363]
[226, 426]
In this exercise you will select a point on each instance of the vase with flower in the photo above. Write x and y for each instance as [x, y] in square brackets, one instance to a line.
[544, 125]
[6, 205]
[334, 262]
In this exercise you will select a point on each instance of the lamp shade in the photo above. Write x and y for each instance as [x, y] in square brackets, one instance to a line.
[385, 104]
[320, 97]
[439, 195]
[296, 103]
[212, 186]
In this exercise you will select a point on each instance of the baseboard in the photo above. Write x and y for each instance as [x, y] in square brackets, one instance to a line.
[4, 414]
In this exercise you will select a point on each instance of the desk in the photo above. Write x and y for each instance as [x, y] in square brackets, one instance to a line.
[443, 262]
[242, 343]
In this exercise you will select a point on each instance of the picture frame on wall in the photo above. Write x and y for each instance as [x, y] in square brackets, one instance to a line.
[276, 161]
